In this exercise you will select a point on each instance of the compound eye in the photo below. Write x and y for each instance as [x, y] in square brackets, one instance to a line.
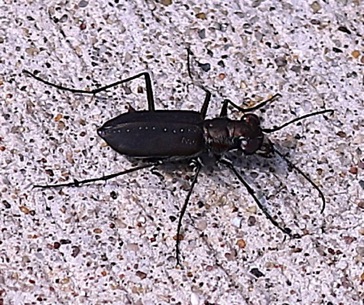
[251, 119]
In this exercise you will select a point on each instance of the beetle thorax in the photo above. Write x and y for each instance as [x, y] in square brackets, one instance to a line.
[222, 135]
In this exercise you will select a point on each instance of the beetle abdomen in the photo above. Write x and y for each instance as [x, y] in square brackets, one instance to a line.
[154, 139]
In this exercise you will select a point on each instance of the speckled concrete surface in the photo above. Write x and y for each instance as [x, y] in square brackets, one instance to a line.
[113, 243]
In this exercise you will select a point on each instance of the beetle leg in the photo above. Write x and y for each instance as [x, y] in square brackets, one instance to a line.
[206, 102]
[223, 112]
[245, 110]
[252, 193]
[197, 169]
[77, 183]
[146, 75]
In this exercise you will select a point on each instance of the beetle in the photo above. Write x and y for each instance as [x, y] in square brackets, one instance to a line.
[165, 136]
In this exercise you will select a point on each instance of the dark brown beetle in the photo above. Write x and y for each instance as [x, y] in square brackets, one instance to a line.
[162, 136]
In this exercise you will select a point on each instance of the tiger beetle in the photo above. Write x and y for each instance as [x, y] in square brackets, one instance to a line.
[165, 136]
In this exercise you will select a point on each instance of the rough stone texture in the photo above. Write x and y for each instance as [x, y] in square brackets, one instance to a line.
[113, 243]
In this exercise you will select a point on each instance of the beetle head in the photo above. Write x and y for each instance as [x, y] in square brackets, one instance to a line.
[250, 138]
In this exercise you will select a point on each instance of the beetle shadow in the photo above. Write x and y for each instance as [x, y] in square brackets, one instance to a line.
[253, 168]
